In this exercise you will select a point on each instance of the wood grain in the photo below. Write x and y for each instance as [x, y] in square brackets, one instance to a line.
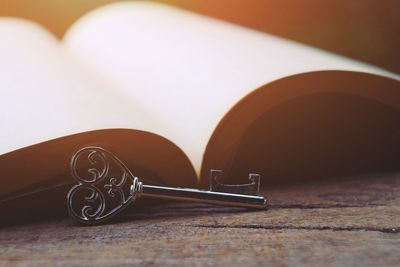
[351, 222]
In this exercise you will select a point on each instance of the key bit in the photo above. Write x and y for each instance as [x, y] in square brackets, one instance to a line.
[106, 187]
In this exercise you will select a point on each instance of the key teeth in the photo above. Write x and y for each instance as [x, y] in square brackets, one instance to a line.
[252, 188]
[255, 179]
[214, 184]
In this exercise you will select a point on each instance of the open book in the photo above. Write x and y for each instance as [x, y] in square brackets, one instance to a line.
[174, 94]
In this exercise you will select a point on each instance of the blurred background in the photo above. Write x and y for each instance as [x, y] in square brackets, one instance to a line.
[367, 30]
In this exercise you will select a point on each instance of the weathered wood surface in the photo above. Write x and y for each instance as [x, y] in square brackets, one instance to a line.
[353, 222]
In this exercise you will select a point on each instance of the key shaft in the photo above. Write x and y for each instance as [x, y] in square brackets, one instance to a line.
[203, 196]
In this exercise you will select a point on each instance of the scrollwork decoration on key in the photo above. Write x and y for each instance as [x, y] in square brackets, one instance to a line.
[104, 185]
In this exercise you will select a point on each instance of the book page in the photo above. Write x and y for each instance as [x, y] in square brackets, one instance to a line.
[44, 95]
[310, 126]
[186, 69]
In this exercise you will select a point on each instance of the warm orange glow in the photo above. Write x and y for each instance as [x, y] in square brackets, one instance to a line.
[366, 30]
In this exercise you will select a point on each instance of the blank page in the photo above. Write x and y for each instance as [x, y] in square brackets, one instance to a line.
[45, 95]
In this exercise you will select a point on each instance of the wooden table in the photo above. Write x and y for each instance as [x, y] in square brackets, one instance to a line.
[350, 222]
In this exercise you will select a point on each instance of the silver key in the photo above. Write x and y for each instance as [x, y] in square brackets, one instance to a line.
[106, 186]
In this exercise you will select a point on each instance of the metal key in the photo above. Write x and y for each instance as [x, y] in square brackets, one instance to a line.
[106, 186]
